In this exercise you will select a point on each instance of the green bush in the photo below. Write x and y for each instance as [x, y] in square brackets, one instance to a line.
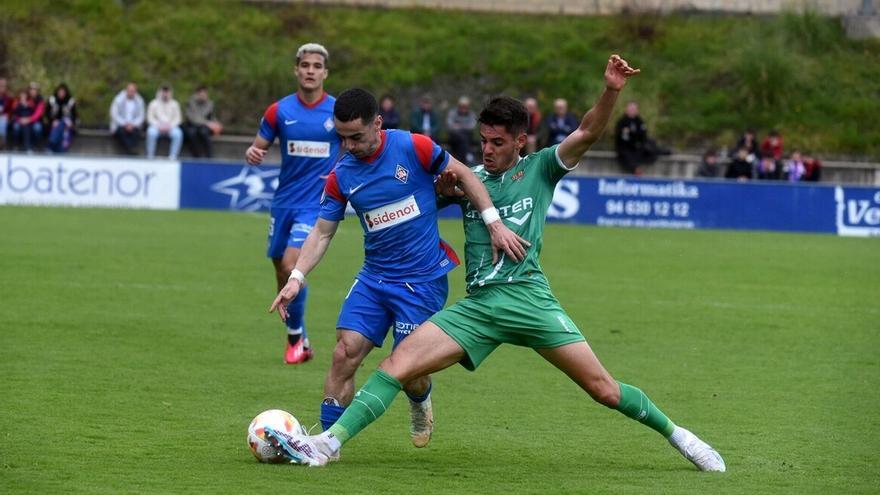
[705, 78]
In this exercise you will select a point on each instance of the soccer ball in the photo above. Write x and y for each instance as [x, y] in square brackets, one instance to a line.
[278, 420]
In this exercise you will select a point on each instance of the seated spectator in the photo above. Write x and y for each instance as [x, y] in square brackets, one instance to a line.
[739, 168]
[62, 119]
[7, 101]
[561, 123]
[767, 168]
[710, 167]
[635, 149]
[126, 117]
[772, 146]
[27, 127]
[423, 120]
[390, 116]
[750, 143]
[460, 124]
[534, 125]
[813, 168]
[794, 170]
[163, 120]
[201, 124]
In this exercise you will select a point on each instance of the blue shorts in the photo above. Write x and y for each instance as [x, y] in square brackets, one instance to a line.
[288, 228]
[373, 306]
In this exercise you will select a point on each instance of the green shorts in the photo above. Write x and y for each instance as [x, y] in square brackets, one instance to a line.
[524, 314]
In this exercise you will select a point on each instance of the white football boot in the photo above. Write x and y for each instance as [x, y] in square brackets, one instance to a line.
[421, 422]
[697, 451]
[297, 448]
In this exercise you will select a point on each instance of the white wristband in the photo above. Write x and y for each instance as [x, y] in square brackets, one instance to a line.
[490, 215]
[298, 275]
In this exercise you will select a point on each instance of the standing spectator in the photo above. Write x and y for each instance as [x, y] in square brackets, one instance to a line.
[460, 123]
[25, 129]
[201, 124]
[62, 119]
[423, 120]
[534, 125]
[126, 117]
[739, 168]
[163, 120]
[390, 116]
[634, 149]
[767, 168]
[561, 123]
[772, 146]
[7, 101]
[813, 166]
[750, 142]
[710, 167]
[794, 168]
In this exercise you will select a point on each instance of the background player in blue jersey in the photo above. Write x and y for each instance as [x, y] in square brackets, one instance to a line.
[388, 178]
[303, 124]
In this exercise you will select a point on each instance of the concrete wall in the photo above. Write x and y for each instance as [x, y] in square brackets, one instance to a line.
[585, 7]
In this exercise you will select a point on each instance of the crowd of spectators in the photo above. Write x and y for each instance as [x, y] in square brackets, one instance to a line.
[29, 122]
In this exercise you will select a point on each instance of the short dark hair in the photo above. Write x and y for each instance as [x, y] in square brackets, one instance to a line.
[507, 112]
[355, 103]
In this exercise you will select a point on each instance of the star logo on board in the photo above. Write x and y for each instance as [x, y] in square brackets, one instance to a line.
[251, 190]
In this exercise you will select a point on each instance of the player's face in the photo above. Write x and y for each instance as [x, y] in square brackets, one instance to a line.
[359, 139]
[311, 71]
[500, 148]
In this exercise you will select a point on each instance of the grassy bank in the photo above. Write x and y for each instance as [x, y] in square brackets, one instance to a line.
[704, 78]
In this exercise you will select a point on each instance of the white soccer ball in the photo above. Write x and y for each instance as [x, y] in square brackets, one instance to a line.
[278, 420]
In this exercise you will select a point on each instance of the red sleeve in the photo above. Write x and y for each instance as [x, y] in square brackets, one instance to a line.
[424, 149]
[38, 112]
[270, 114]
[331, 188]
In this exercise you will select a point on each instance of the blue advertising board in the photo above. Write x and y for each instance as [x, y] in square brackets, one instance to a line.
[611, 201]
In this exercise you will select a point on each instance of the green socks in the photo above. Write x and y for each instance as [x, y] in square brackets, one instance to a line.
[636, 405]
[370, 402]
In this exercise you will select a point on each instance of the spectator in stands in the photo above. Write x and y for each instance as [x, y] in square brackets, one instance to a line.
[126, 117]
[25, 128]
[635, 149]
[534, 125]
[390, 116]
[7, 101]
[423, 120]
[739, 168]
[201, 124]
[767, 168]
[163, 120]
[813, 166]
[710, 167]
[460, 124]
[750, 142]
[62, 119]
[772, 146]
[794, 170]
[561, 123]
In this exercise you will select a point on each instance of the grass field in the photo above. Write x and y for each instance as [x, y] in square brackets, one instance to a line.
[135, 347]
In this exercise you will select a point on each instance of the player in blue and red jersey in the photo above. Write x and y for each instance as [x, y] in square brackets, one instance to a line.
[388, 178]
[303, 124]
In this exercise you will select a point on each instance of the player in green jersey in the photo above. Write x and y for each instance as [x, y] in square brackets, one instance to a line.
[507, 302]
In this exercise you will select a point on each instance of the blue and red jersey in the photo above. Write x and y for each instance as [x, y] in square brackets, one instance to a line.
[309, 148]
[392, 193]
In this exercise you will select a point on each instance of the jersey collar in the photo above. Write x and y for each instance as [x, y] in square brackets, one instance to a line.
[311, 105]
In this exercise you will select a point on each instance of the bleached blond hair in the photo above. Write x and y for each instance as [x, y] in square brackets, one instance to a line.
[313, 48]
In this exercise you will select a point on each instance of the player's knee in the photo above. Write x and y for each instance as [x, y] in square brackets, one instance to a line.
[605, 392]
[396, 367]
[345, 358]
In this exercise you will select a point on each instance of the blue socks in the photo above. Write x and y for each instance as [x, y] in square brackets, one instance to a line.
[420, 398]
[330, 413]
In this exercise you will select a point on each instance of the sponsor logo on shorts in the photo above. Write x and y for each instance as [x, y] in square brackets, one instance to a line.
[392, 214]
[564, 324]
[309, 149]
[404, 328]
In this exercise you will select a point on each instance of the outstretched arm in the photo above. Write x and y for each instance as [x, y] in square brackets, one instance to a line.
[313, 250]
[502, 238]
[573, 147]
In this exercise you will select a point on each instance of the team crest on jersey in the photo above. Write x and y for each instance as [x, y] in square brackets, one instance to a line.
[401, 174]
[518, 175]
[328, 124]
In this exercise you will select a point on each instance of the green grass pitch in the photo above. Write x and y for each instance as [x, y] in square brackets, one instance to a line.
[135, 347]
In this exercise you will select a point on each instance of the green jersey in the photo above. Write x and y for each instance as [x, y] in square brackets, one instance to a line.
[522, 196]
